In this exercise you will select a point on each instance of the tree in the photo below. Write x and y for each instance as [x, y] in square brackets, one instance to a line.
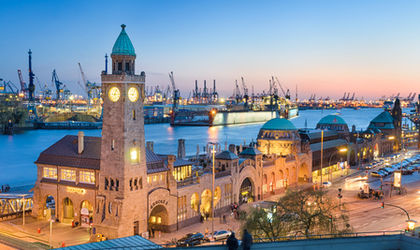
[266, 223]
[299, 212]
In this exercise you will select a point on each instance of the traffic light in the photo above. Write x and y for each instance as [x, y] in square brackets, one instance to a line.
[382, 204]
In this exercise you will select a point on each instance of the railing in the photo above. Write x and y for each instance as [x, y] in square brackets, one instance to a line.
[328, 236]
[188, 181]
[13, 205]
[222, 174]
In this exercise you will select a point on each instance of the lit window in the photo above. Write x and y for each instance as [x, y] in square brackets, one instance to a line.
[134, 156]
[87, 177]
[154, 178]
[50, 173]
[68, 175]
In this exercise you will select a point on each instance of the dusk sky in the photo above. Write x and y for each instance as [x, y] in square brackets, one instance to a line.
[324, 47]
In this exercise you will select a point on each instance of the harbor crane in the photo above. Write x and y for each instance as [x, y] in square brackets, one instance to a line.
[215, 95]
[90, 87]
[57, 83]
[175, 96]
[31, 86]
[23, 87]
[237, 92]
[8, 85]
[286, 93]
[245, 89]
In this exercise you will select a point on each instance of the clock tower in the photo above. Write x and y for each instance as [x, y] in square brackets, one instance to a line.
[120, 205]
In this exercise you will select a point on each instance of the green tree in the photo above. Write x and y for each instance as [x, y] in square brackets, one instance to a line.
[298, 212]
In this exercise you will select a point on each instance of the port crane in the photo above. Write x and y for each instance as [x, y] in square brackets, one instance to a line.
[90, 87]
[31, 86]
[57, 83]
[286, 93]
[245, 89]
[8, 85]
[215, 95]
[175, 91]
[237, 92]
[23, 87]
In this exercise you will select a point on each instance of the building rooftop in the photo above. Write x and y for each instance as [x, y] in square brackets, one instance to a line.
[123, 45]
[65, 153]
[384, 117]
[278, 124]
[328, 144]
[332, 119]
[314, 134]
[131, 242]
[226, 155]
[250, 151]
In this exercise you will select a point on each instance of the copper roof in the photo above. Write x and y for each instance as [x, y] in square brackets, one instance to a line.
[65, 153]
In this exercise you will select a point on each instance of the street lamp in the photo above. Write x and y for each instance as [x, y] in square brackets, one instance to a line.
[23, 209]
[340, 150]
[411, 225]
[213, 151]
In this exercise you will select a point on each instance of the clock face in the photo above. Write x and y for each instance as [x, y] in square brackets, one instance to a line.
[114, 94]
[133, 94]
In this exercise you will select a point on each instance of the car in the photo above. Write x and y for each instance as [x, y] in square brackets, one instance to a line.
[326, 184]
[370, 166]
[221, 234]
[182, 242]
[376, 174]
[383, 172]
[196, 239]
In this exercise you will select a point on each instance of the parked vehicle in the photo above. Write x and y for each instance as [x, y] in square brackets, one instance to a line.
[326, 184]
[376, 174]
[221, 235]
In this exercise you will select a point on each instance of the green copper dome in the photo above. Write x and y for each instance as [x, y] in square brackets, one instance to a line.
[332, 119]
[278, 124]
[123, 45]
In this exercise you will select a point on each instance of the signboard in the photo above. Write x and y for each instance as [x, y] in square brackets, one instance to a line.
[397, 179]
[158, 202]
[76, 190]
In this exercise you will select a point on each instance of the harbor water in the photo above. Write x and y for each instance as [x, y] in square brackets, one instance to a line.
[19, 152]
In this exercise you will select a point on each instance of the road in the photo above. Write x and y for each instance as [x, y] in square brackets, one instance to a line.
[367, 214]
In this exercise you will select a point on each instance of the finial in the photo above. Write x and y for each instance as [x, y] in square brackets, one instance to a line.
[123, 26]
[29, 52]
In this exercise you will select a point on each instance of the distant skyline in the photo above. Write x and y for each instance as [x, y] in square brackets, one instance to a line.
[322, 47]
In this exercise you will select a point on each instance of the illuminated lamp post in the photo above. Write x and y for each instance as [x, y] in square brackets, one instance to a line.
[341, 150]
[213, 151]
[411, 224]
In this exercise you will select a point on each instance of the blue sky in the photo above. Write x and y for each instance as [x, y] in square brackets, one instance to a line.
[323, 47]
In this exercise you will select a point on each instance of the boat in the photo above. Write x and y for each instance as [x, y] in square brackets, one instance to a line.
[223, 115]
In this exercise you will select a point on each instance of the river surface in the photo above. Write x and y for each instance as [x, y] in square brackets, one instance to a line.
[19, 152]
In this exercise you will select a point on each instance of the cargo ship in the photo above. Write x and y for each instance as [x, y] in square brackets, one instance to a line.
[223, 115]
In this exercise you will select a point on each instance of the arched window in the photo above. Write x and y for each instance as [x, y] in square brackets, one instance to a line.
[106, 183]
[111, 187]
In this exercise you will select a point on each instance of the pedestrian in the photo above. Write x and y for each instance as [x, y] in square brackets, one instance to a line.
[232, 242]
[246, 240]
